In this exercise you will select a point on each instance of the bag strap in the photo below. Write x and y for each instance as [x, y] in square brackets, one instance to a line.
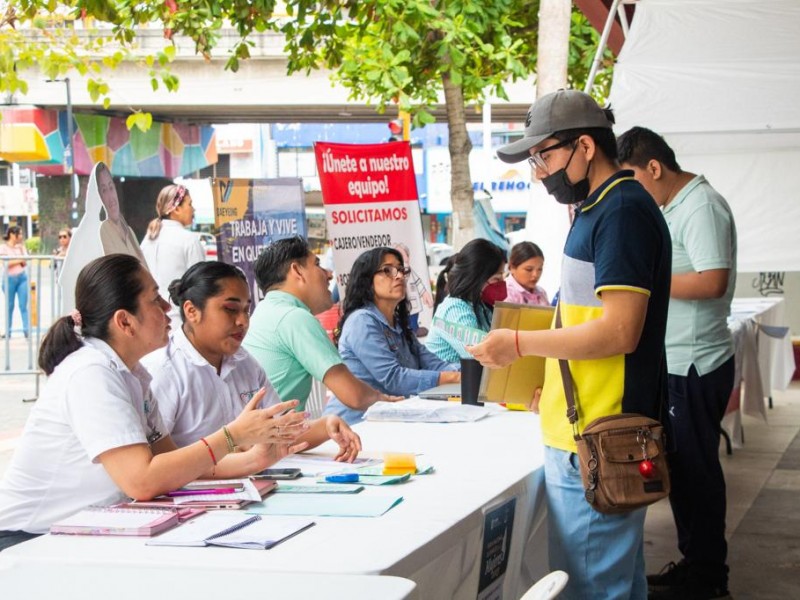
[569, 385]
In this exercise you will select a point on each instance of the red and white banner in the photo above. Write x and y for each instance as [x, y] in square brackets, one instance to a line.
[370, 198]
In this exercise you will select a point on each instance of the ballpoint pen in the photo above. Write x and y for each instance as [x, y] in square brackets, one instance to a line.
[228, 490]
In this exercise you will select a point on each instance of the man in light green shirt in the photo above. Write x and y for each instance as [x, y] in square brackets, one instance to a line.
[286, 338]
[699, 361]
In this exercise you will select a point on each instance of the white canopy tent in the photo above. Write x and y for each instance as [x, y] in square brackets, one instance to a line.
[720, 79]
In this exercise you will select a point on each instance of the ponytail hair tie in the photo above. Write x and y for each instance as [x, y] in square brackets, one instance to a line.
[75, 315]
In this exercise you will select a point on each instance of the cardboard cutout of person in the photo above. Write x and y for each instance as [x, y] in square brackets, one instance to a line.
[94, 237]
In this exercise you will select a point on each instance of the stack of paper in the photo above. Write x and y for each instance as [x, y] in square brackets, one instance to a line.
[416, 410]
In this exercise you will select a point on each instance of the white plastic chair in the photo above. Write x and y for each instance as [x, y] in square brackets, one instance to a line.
[549, 586]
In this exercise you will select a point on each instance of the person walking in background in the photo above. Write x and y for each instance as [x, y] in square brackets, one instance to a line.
[613, 303]
[375, 337]
[525, 265]
[15, 278]
[64, 238]
[466, 291]
[700, 361]
[168, 247]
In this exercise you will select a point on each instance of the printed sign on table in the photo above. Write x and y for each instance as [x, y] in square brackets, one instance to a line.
[370, 197]
[251, 214]
[498, 526]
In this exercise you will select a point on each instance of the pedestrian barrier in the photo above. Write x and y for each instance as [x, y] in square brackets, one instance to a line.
[31, 303]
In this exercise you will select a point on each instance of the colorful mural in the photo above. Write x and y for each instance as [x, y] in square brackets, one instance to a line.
[36, 138]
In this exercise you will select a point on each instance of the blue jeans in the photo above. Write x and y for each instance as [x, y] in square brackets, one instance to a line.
[17, 287]
[602, 554]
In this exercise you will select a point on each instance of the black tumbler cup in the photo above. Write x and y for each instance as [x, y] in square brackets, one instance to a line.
[471, 371]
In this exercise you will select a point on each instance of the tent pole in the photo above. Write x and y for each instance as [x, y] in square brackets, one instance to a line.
[601, 46]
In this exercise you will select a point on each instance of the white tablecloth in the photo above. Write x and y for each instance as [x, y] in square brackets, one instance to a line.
[764, 363]
[433, 537]
[20, 579]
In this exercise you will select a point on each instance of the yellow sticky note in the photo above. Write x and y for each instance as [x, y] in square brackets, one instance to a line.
[399, 463]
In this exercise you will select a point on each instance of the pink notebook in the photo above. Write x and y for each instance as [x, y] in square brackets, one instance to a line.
[98, 520]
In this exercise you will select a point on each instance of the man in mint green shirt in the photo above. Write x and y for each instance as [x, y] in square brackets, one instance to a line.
[286, 338]
[699, 360]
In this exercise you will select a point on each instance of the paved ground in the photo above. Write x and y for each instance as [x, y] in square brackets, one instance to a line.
[763, 481]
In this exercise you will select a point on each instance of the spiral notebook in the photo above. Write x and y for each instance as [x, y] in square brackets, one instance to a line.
[105, 520]
[233, 530]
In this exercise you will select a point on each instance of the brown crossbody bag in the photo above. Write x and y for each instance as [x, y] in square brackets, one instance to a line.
[622, 459]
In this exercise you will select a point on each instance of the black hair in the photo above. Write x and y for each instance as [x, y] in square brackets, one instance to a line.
[638, 146]
[11, 230]
[200, 282]
[273, 263]
[104, 286]
[360, 290]
[467, 271]
[524, 251]
[603, 136]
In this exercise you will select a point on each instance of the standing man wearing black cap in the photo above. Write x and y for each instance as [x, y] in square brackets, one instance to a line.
[614, 294]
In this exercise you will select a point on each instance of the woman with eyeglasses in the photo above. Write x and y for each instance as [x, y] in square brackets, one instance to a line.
[64, 238]
[168, 247]
[16, 276]
[466, 291]
[374, 336]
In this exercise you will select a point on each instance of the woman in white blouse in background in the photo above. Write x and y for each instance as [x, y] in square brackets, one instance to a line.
[168, 247]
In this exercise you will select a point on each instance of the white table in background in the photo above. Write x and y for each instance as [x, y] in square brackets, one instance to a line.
[764, 363]
[35, 581]
[433, 537]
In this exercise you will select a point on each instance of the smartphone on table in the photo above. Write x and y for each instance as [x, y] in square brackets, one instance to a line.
[278, 474]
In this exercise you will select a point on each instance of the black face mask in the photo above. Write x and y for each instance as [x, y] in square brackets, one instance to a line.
[559, 186]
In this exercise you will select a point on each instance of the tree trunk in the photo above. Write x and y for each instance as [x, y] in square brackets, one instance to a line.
[460, 179]
[551, 65]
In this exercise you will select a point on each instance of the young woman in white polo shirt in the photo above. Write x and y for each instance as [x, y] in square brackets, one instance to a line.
[96, 435]
[204, 378]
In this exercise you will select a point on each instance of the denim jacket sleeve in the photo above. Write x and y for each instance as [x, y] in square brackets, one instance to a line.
[385, 355]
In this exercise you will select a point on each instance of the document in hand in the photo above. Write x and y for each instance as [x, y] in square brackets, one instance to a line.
[100, 520]
[233, 530]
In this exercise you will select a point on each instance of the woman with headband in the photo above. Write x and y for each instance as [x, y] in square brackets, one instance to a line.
[168, 247]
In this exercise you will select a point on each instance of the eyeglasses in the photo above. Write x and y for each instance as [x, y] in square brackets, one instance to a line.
[391, 271]
[537, 161]
[63, 237]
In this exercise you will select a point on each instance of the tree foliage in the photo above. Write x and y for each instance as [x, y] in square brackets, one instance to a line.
[408, 53]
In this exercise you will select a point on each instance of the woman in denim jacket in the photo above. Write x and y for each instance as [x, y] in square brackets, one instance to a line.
[374, 337]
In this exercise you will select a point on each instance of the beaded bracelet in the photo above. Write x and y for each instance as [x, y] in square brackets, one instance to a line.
[229, 439]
